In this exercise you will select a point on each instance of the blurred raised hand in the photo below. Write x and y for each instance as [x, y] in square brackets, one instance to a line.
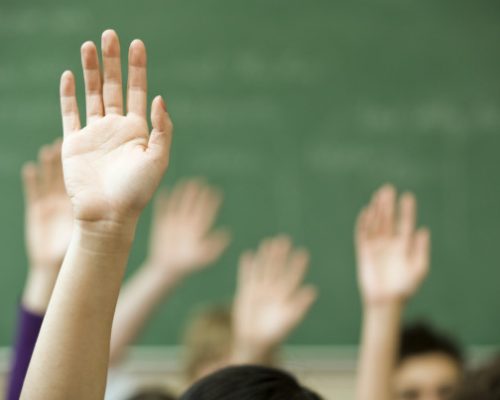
[271, 298]
[393, 256]
[48, 224]
[113, 165]
[393, 260]
[183, 240]
[49, 219]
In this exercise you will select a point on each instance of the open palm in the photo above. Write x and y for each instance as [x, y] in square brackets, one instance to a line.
[271, 299]
[113, 165]
[393, 257]
[182, 237]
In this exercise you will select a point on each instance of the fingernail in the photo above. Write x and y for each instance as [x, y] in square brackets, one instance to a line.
[162, 102]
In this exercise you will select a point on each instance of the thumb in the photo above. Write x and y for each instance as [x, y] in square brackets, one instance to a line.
[161, 135]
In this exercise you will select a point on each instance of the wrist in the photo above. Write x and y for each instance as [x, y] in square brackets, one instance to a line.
[252, 356]
[42, 256]
[166, 272]
[161, 276]
[47, 268]
[384, 314]
[252, 352]
[384, 302]
[105, 236]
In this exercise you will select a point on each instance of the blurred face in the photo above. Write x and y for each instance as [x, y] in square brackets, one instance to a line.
[433, 376]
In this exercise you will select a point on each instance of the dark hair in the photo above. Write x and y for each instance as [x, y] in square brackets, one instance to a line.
[482, 383]
[249, 383]
[420, 339]
[153, 394]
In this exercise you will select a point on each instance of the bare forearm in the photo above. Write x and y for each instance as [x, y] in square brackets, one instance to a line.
[38, 289]
[138, 300]
[380, 341]
[78, 321]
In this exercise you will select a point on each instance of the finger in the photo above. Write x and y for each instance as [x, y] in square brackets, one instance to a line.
[215, 244]
[303, 300]
[212, 201]
[54, 174]
[277, 259]
[175, 199]
[371, 219]
[297, 269]
[245, 268]
[161, 202]
[112, 73]
[378, 211]
[45, 156]
[30, 182]
[93, 85]
[137, 80]
[161, 135]
[373, 214]
[261, 260]
[361, 229]
[160, 210]
[207, 207]
[69, 105]
[421, 252]
[387, 209]
[407, 215]
[189, 196]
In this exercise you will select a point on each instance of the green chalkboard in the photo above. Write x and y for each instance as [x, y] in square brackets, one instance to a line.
[297, 110]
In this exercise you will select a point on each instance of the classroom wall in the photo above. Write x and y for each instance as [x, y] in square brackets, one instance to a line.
[297, 111]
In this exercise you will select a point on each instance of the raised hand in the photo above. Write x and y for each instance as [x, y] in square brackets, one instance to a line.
[113, 165]
[271, 299]
[111, 170]
[393, 257]
[182, 240]
[49, 218]
[48, 225]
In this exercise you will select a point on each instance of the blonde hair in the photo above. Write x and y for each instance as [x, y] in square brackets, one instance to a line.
[207, 340]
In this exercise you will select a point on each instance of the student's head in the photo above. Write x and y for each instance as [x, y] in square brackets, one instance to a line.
[249, 383]
[207, 342]
[429, 365]
[482, 383]
[152, 394]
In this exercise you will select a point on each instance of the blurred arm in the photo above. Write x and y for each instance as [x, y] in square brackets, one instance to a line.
[48, 225]
[140, 297]
[393, 259]
[73, 346]
[111, 169]
[182, 242]
[379, 345]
